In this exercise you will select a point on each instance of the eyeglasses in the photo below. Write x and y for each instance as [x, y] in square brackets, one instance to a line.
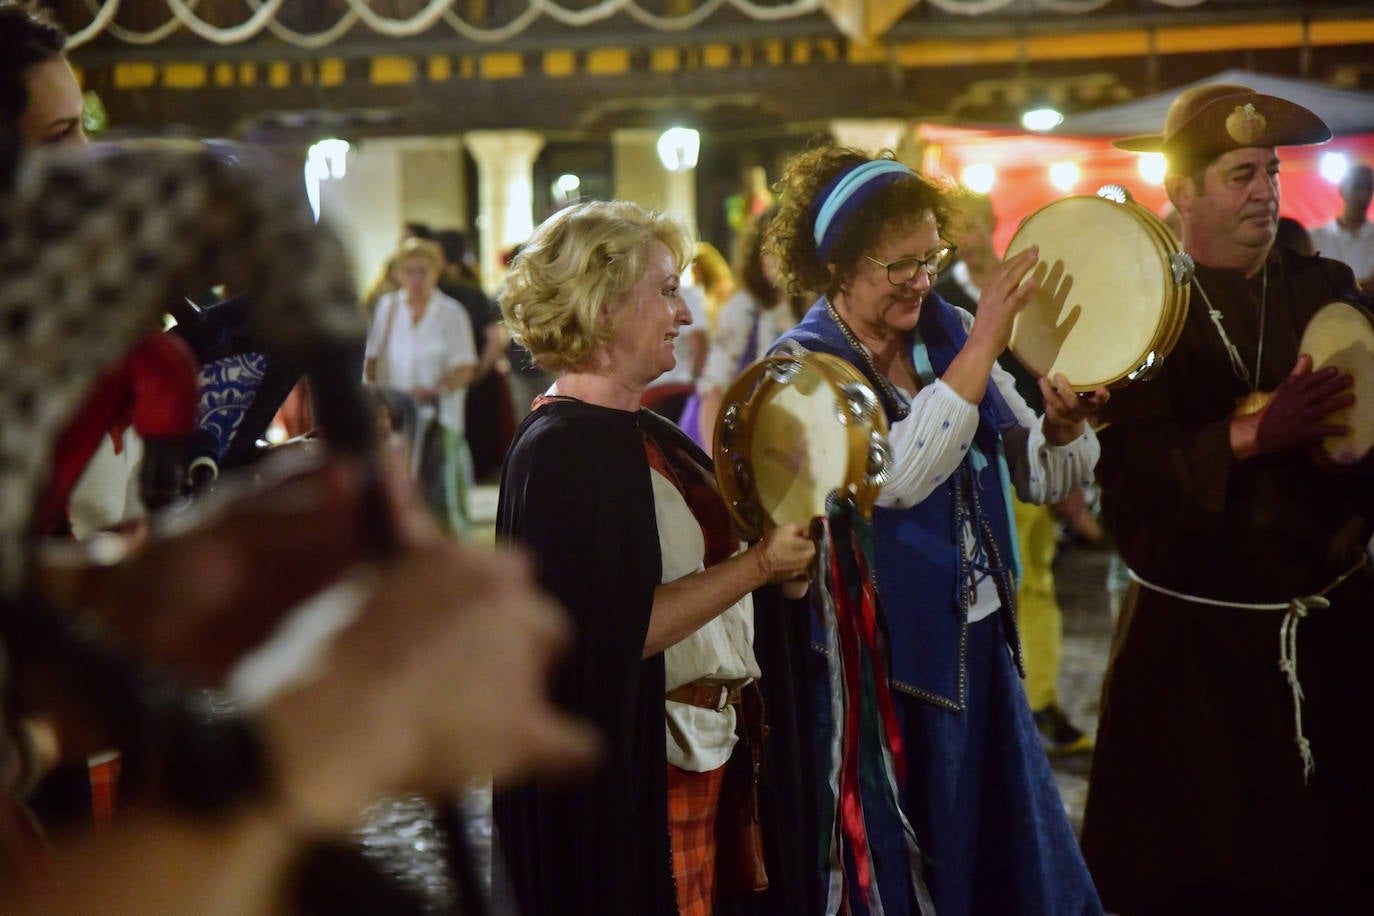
[904, 270]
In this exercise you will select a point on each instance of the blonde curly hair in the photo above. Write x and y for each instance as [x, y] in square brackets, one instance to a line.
[422, 249]
[558, 296]
[789, 237]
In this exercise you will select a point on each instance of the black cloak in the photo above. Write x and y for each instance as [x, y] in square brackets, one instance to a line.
[576, 492]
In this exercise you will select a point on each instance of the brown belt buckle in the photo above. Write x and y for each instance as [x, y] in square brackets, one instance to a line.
[723, 699]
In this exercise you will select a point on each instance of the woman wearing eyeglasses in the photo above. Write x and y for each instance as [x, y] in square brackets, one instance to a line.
[940, 793]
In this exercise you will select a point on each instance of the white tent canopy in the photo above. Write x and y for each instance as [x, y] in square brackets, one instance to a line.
[1345, 111]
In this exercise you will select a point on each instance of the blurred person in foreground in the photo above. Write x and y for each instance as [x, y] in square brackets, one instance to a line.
[1231, 770]
[234, 804]
[397, 702]
[960, 812]
[620, 513]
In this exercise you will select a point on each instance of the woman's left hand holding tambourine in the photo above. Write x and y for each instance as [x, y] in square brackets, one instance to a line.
[1067, 412]
[785, 555]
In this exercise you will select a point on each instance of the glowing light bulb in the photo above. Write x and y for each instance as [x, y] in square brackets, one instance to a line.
[1041, 119]
[978, 177]
[1064, 175]
[1333, 167]
[1152, 167]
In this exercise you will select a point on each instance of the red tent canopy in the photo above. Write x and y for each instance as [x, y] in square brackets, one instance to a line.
[1022, 162]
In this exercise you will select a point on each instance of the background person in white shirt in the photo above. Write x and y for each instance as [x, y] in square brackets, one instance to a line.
[1349, 238]
[421, 343]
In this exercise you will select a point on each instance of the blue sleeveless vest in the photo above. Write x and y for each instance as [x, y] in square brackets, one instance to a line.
[918, 555]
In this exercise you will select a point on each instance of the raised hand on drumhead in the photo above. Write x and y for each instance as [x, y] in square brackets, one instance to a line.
[1296, 413]
[1067, 412]
[1007, 292]
[1009, 289]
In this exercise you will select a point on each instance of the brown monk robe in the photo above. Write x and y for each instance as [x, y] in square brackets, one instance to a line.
[1198, 800]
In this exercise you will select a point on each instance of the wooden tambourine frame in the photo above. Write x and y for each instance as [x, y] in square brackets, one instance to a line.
[1341, 335]
[1114, 292]
[793, 429]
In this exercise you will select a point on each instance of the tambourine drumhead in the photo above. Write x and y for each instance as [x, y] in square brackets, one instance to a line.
[1340, 335]
[1108, 303]
[792, 430]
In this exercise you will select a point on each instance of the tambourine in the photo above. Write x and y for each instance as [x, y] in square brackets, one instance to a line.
[1341, 335]
[793, 429]
[1114, 290]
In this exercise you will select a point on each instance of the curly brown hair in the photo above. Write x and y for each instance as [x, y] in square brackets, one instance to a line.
[898, 207]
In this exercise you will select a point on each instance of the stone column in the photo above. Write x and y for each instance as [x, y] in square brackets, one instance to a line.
[505, 193]
[640, 176]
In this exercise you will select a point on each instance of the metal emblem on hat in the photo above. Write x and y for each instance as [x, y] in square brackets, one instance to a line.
[1245, 124]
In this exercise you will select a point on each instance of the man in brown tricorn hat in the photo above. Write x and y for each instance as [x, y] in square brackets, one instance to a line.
[1233, 764]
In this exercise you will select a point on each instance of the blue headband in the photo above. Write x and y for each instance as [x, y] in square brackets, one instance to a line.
[845, 192]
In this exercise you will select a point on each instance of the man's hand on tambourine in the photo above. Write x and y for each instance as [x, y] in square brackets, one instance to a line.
[1295, 414]
[1067, 412]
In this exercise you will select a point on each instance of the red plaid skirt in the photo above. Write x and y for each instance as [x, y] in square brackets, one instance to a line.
[692, 802]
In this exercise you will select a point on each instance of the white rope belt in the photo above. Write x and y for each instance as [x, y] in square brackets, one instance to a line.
[1296, 609]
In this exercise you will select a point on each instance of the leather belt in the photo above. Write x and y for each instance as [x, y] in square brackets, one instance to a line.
[704, 695]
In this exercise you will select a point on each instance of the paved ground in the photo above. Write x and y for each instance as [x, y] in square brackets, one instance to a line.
[1080, 577]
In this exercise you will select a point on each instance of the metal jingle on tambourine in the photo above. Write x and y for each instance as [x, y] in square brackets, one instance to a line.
[729, 426]
[1149, 369]
[879, 459]
[861, 401]
[750, 512]
[783, 370]
[744, 474]
[1182, 267]
[839, 497]
[1115, 192]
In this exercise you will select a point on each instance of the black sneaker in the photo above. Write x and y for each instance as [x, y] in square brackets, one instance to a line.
[1058, 735]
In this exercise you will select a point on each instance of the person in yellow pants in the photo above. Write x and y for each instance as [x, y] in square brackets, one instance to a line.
[1041, 624]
